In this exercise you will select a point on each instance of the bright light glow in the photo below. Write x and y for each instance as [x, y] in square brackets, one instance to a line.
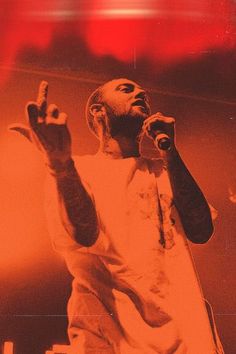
[160, 31]
[65, 15]
[126, 13]
[8, 348]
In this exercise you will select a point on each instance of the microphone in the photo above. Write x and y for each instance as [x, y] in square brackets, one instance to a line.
[162, 141]
[154, 130]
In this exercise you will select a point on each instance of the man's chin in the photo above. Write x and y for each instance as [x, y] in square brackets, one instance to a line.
[130, 126]
[140, 113]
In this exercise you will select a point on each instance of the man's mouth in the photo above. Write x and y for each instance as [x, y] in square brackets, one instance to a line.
[141, 103]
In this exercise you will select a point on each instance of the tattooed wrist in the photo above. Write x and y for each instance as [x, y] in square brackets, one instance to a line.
[60, 169]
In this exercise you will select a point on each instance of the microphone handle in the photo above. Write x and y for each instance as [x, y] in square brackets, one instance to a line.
[162, 141]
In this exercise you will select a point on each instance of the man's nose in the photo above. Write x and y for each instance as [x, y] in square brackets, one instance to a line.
[140, 93]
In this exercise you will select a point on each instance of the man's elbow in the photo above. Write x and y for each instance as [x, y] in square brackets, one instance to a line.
[86, 236]
[200, 234]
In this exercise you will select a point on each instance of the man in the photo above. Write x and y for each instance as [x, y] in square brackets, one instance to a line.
[120, 221]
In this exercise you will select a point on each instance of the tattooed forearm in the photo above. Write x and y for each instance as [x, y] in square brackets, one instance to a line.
[190, 202]
[76, 206]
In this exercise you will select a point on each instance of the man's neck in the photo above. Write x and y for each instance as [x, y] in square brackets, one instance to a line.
[120, 147]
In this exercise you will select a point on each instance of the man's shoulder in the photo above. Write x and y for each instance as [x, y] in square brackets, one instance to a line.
[83, 158]
[86, 165]
[85, 161]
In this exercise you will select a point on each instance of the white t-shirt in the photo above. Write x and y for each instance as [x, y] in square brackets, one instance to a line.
[157, 297]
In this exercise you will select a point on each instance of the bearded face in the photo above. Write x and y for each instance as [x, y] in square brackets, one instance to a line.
[127, 106]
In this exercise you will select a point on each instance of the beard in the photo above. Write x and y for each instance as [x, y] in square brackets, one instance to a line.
[126, 125]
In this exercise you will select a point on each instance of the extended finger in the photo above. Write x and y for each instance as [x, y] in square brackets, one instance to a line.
[158, 118]
[42, 98]
[32, 112]
[168, 120]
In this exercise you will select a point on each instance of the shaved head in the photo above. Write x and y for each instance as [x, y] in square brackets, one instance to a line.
[126, 104]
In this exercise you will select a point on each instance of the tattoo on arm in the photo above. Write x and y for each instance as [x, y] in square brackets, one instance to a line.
[77, 208]
[190, 202]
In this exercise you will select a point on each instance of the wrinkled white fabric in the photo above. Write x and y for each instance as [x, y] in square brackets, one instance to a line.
[135, 290]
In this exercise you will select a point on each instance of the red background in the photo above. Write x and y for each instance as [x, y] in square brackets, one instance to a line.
[184, 54]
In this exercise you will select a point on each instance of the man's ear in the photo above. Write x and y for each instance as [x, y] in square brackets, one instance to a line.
[98, 111]
[101, 122]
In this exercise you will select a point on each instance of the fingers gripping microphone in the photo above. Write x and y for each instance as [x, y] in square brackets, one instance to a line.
[162, 141]
[154, 129]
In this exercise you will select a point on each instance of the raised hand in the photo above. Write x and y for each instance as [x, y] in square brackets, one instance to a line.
[47, 128]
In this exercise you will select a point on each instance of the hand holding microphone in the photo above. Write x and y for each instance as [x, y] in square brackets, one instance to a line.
[162, 141]
[161, 130]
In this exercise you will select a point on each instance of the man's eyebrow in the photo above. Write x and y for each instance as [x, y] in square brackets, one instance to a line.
[129, 85]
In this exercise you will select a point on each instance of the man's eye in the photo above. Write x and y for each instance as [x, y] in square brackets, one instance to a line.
[125, 89]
